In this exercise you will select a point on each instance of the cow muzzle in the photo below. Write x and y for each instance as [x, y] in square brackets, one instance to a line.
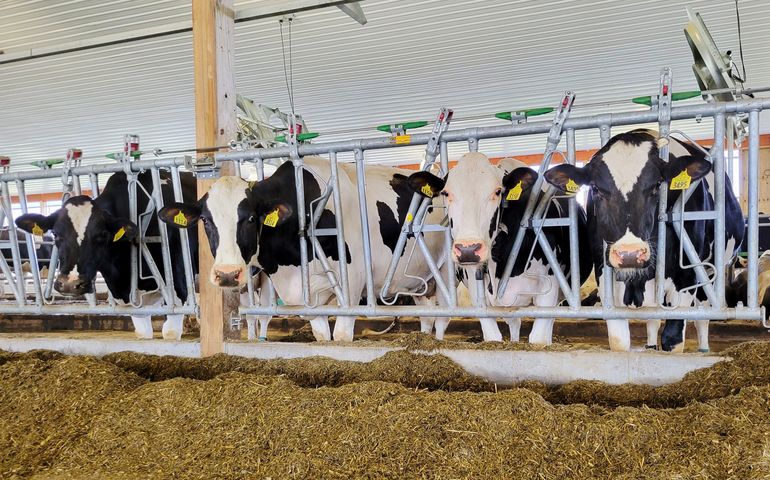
[72, 286]
[470, 252]
[629, 256]
[228, 276]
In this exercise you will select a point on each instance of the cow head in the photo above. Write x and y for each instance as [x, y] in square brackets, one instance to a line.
[625, 177]
[85, 236]
[473, 192]
[233, 213]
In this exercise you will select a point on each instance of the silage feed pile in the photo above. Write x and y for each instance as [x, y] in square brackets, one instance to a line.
[406, 415]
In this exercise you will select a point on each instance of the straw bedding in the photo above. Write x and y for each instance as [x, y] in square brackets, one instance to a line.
[403, 416]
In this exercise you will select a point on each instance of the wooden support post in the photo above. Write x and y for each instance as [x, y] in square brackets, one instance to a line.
[215, 124]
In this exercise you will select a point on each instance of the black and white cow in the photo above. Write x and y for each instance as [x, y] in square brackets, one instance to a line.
[485, 204]
[43, 251]
[624, 178]
[95, 235]
[256, 224]
[737, 289]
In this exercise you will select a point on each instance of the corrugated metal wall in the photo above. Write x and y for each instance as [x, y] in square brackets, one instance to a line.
[475, 56]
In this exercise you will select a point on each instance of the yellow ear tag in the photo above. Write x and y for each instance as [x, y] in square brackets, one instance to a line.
[36, 230]
[515, 192]
[271, 220]
[119, 234]
[180, 219]
[571, 186]
[681, 181]
[409, 218]
[403, 139]
[427, 191]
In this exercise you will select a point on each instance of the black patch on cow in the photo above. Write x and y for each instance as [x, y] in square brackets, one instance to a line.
[672, 334]
[390, 227]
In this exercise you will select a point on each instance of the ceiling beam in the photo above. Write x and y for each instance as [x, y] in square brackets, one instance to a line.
[354, 10]
[266, 9]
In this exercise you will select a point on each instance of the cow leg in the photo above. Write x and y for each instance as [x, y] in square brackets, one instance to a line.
[652, 334]
[441, 325]
[173, 327]
[142, 326]
[619, 335]
[426, 323]
[514, 325]
[344, 327]
[702, 327]
[264, 321]
[320, 327]
[251, 327]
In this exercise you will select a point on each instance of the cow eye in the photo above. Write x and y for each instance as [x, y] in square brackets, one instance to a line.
[596, 191]
[444, 193]
[498, 191]
[252, 219]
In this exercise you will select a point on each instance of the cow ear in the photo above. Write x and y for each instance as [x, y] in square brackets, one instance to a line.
[426, 184]
[122, 230]
[35, 223]
[276, 215]
[518, 181]
[180, 215]
[678, 170]
[567, 178]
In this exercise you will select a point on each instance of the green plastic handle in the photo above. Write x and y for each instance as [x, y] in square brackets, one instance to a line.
[49, 162]
[301, 137]
[675, 97]
[405, 126]
[134, 154]
[529, 112]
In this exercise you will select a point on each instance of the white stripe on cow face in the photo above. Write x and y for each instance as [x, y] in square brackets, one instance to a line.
[625, 163]
[79, 215]
[223, 200]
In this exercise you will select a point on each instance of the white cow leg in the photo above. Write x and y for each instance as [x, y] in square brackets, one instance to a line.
[320, 327]
[172, 327]
[343, 328]
[542, 331]
[619, 335]
[426, 324]
[251, 327]
[142, 326]
[652, 334]
[490, 331]
[702, 327]
[441, 324]
[264, 321]
[514, 325]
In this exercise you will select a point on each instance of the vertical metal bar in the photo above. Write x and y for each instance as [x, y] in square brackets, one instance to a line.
[52, 265]
[444, 158]
[184, 237]
[76, 184]
[660, 253]
[451, 280]
[237, 166]
[341, 248]
[135, 256]
[473, 144]
[608, 287]
[605, 132]
[719, 207]
[31, 250]
[168, 274]
[753, 195]
[13, 238]
[93, 179]
[299, 186]
[371, 300]
[574, 247]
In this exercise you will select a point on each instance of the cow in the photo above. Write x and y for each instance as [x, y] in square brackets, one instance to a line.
[256, 224]
[485, 205]
[624, 178]
[43, 251]
[95, 235]
[737, 289]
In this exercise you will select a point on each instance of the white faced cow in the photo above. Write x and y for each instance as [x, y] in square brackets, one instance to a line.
[624, 177]
[256, 224]
[95, 235]
[485, 203]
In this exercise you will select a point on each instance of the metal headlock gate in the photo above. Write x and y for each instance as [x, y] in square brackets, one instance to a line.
[711, 276]
[42, 299]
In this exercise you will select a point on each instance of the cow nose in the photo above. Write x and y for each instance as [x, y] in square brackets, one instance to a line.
[468, 252]
[71, 287]
[629, 257]
[228, 275]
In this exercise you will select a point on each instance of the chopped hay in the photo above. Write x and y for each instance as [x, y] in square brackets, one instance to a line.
[405, 415]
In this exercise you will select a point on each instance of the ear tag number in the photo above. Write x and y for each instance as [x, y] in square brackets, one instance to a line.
[180, 219]
[36, 230]
[409, 218]
[403, 139]
[681, 181]
[571, 186]
[119, 234]
[515, 192]
[427, 191]
[271, 220]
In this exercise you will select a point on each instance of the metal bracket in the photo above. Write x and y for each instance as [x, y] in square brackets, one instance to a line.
[204, 167]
